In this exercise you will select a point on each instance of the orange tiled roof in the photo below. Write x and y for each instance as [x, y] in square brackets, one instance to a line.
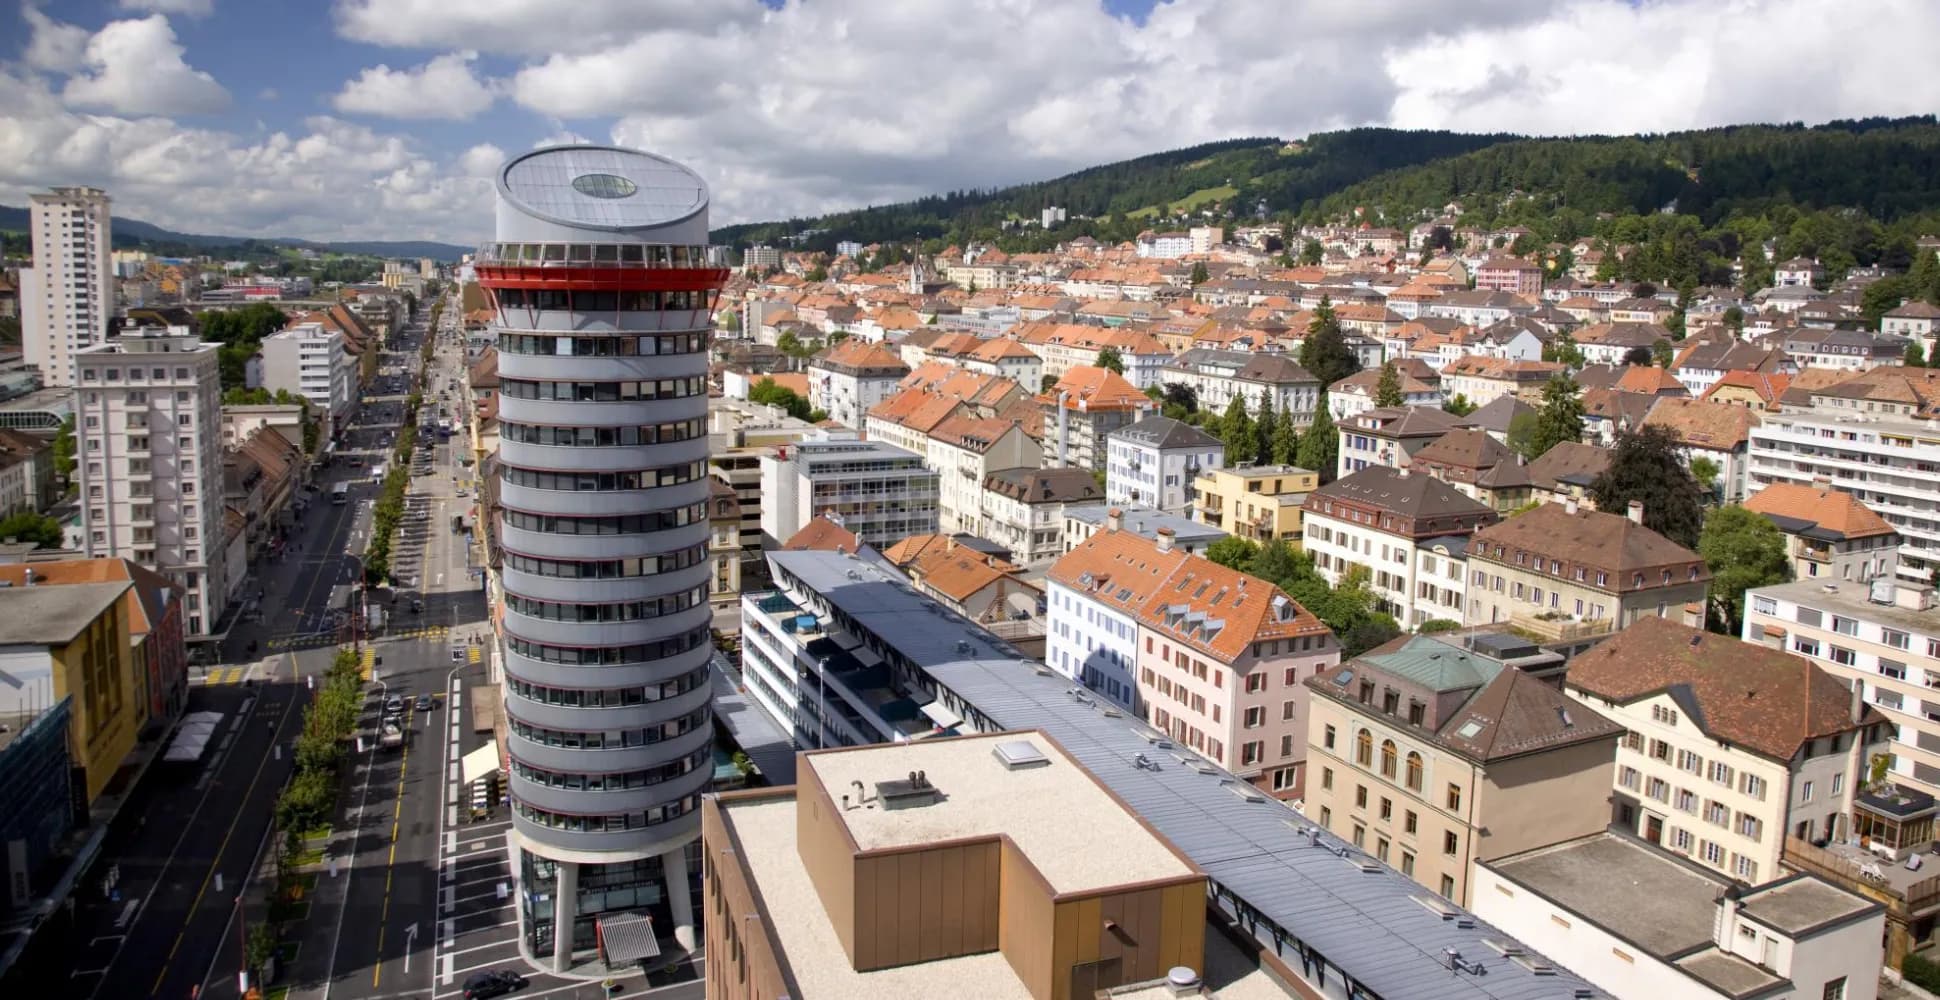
[822, 535]
[1093, 388]
[1830, 509]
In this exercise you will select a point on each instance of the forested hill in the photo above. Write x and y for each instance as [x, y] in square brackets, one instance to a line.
[1116, 200]
[1886, 168]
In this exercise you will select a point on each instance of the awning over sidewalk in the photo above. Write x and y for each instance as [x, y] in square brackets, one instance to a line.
[480, 762]
[625, 938]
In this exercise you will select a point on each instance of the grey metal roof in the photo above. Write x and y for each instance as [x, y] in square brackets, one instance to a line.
[754, 732]
[1145, 522]
[1165, 433]
[1383, 930]
[542, 182]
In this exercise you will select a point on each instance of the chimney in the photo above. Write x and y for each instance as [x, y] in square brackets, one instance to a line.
[1114, 519]
[1569, 504]
[1637, 512]
[1858, 701]
[1401, 473]
[1165, 539]
[1822, 482]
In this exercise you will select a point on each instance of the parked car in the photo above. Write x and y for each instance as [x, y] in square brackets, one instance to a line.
[498, 982]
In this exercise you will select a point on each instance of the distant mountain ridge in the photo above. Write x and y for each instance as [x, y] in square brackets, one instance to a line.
[136, 234]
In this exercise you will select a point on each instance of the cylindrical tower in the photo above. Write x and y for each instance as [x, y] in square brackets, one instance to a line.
[604, 297]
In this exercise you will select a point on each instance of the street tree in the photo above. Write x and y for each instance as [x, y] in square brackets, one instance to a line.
[1645, 467]
[1743, 550]
[1387, 391]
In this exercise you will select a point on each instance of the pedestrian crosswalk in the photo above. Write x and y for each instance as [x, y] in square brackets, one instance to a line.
[310, 640]
[427, 632]
[224, 675]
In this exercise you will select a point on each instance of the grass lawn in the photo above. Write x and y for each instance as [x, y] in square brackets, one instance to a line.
[1203, 196]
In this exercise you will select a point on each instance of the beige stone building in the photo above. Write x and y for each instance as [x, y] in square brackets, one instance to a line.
[1730, 746]
[1565, 572]
[1432, 754]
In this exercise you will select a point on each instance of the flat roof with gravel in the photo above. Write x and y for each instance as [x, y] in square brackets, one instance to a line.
[1055, 812]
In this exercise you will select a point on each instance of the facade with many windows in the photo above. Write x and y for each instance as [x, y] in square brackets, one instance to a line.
[882, 493]
[148, 429]
[69, 293]
[1409, 532]
[1729, 747]
[605, 495]
[1883, 639]
[1434, 753]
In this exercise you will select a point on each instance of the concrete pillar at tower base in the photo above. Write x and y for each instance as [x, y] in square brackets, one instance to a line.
[565, 906]
[673, 866]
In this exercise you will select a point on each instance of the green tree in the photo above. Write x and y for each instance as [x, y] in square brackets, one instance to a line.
[1459, 405]
[1265, 429]
[767, 391]
[1324, 353]
[1109, 358]
[1237, 431]
[1744, 550]
[1047, 383]
[1183, 396]
[1521, 435]
[1734, 320]
[1234, 552]
[1560, 419]
[1437, 625]
[1311, 253]
[1915, 358]
[1640, 356]
[817, 273]
[1663, 353]
[27, 526]
[1199, 275]
[1387, 391]
[1286, 441]
[1320, 445]
[1564, 350]
[64, 450]
[1705, 471]
[1645, 467]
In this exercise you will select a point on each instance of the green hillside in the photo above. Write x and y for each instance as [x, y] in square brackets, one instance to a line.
[1117, 200]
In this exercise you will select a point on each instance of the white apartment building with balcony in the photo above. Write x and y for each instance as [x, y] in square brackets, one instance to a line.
[881, 492]
[69, 293]
[1883, 639]
[309, 360]
[1876, 437]
[148, 429]
[1153, 463]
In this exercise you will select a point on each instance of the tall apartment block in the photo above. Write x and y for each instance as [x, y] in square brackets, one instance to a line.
[309, 360]
[148, 429]
[881, 492]
[1873, 436]
[69, 293]
[604, 296]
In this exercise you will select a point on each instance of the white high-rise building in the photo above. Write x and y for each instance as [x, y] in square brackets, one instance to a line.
[68, 295]
[308, 359]
[604, 299]
[148, 431]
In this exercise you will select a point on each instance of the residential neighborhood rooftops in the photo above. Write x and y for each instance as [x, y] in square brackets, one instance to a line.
[1611, 543]
[1424, 498]
[1165, 433]
[53, 615]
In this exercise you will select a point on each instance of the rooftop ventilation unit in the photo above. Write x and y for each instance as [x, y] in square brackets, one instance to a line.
[1244, 791]
[1017, 755]
[907, 793]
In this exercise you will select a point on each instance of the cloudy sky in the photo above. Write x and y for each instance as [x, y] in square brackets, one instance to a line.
[382, 119]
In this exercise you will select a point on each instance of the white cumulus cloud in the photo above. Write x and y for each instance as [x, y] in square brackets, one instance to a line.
[444, 88]
[52, 45]
[136, 68]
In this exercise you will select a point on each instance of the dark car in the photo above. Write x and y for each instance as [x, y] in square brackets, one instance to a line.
[498, 982]
[424, 703]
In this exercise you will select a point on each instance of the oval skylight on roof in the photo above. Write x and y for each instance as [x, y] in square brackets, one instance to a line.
[605, 186]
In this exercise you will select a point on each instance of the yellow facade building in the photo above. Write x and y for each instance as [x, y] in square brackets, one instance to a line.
[1257, 502]
[74, 641]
